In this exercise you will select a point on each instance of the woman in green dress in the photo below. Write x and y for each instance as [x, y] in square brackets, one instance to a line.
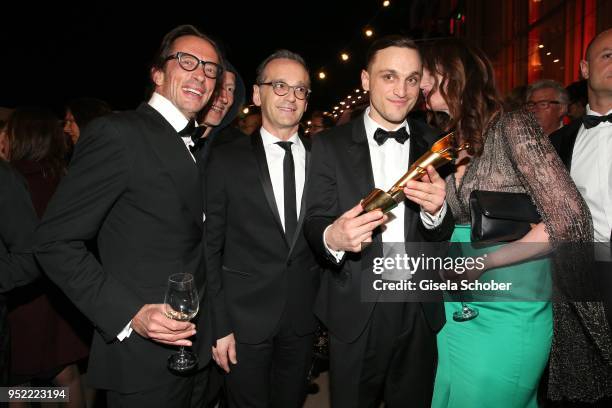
[497, 358]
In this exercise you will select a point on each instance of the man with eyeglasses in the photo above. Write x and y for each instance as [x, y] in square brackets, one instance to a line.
[262, 275]
[134, 186]
[548, 101]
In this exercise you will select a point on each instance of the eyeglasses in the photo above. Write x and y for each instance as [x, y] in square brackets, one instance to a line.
[281, 89]
[544, 104]
[190, 63]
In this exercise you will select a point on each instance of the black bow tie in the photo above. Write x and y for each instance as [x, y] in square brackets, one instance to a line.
[590, 121]
[382, 135]
[195, 132]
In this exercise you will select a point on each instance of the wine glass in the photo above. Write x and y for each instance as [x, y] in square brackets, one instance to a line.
[181, 303]
[466, 313]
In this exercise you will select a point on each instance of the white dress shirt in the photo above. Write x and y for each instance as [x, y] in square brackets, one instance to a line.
[592, 173]
[274, 157]
[389, 164]
[174, 116]
[178, 121]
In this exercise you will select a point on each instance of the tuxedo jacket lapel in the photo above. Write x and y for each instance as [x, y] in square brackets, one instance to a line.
[264, 179]
[298, 230]
[171, 152]
[359, 156]
[418, 146]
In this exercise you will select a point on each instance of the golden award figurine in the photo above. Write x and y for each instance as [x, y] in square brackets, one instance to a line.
[438, 155]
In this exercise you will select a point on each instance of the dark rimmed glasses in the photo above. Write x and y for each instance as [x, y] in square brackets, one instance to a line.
[543, 104]
[281, 89]
[190, 63]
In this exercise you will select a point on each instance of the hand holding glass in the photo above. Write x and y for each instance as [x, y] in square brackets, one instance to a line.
[181, 303]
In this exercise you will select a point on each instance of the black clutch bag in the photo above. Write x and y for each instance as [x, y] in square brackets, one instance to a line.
[501, 217]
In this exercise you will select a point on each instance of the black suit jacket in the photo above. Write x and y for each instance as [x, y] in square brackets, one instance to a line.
[564, 140]
[132, 185]
[255, 273]
[18, 221]
[341, 175]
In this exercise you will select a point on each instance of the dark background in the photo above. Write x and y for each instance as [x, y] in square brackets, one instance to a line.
[52, 53]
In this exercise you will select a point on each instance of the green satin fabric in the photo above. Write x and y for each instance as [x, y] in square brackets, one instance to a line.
[497, 359]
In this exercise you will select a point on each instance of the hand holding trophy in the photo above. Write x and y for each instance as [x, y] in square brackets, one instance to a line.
[440, 153]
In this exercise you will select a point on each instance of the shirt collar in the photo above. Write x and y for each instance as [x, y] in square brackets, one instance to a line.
[169, 111]
[593, 113]
[269, 139]
[371, 125]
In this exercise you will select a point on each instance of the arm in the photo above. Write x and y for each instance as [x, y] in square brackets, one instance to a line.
[97, 177]
[216, 218]
[17, 225]
[437, 222]
[565, 217]
[323, 226]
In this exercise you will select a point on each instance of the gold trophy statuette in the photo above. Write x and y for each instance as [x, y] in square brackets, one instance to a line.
[438, 155]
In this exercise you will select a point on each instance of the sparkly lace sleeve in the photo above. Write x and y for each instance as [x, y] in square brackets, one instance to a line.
[564, 212]
[581, 349]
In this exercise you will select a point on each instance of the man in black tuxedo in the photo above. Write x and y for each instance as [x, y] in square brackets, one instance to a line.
[585, 146]
[263, 276]
[378, 350]
[135, 187]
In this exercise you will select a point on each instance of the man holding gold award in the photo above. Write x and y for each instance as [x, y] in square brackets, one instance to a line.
[380, 351]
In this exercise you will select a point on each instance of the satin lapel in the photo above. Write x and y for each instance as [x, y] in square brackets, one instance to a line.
[362, 174]
[264, 178]
[572, 135]
[172, 153]
[359, 157]
[298, 230]
[418, 146]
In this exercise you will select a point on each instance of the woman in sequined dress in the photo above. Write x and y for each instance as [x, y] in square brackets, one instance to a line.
[497, 359]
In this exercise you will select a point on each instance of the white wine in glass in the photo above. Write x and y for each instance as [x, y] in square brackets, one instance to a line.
[181, 303]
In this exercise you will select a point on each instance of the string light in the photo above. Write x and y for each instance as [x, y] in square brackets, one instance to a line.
[349, 97]
[541, 46]
[336, 108]
[344, 56]
[357, 90]
[322, 75]
[245, 110]
[342, 103]
[386, 3]
[369, 32]
[557, 60]
[548, 53]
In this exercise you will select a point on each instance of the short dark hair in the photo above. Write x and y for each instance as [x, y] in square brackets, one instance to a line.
[386, 42]
[168, 42]
[279, 54]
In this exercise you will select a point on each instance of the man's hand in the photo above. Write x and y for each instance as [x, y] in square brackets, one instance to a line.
[429, 192]
[349, 231]
[225, 350]
[151, 323]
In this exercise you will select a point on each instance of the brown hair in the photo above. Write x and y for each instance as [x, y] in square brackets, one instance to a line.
[36, 134]
[387, 42]
[467, 87]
